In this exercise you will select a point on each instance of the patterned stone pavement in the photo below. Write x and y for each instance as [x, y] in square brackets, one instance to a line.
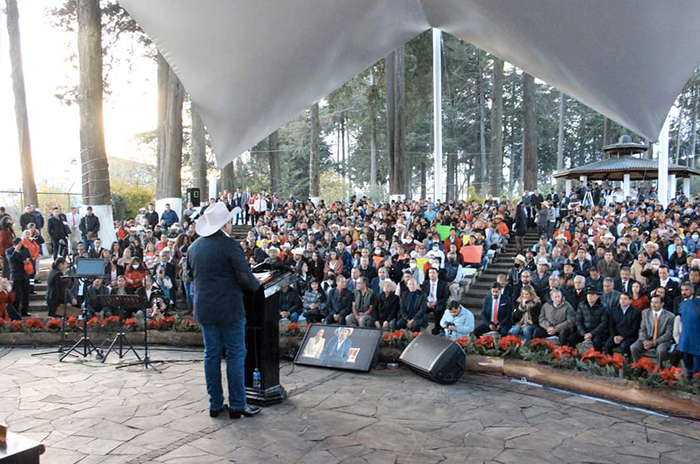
[90, 413]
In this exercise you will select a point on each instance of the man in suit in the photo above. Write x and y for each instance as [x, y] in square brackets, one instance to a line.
[655, 332]
[623, 328]
[340, 301]
[436, 292]
[16, 256]
[412, 308]
[664, 280]
[59, 232]
[151, 216]
[337, 350]
[582, 265]
[496, 313]
[610, 297]
[220, 274]
[624, 283]
[577, 294]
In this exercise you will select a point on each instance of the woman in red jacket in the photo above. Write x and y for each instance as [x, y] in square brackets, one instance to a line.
[7, 296]
[135, 273]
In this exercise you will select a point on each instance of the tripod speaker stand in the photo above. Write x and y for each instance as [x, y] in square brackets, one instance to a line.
[83, 347]
[146, 361]
[121, 302]
[64, 311]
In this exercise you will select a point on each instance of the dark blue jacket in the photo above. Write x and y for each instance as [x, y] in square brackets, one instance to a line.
[505, 311]
[170, 217]
[221, 274]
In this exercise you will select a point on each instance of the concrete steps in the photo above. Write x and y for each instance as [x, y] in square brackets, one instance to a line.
[473, 299]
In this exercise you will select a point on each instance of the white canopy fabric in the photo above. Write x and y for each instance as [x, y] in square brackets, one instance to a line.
[253, 65]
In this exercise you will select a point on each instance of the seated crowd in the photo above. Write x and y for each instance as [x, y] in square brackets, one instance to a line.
[612, 272]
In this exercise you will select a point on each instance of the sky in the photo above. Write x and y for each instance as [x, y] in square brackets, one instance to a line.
[54, 127]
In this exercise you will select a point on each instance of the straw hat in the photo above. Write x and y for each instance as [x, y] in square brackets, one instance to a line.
[652, 245]
[386, 282]
[214, 218]
[520, 258]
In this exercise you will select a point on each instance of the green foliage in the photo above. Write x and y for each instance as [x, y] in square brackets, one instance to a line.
[127, 201]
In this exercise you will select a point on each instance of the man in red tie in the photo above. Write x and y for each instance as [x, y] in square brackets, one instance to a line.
[495, 313]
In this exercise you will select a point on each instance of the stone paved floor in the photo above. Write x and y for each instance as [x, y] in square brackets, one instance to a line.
[91, 413]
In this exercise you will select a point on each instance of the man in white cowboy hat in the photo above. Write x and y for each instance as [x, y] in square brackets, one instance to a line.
[516, 270]
[540, 279]
[220, 273]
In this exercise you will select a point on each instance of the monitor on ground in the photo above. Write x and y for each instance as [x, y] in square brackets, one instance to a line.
[339, 347]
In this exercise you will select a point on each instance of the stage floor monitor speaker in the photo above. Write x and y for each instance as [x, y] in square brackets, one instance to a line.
[435, 358]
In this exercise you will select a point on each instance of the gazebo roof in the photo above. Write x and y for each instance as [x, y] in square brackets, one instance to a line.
[615, 168]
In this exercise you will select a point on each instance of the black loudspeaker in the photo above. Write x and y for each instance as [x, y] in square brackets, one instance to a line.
[194, 195]
[435, 358]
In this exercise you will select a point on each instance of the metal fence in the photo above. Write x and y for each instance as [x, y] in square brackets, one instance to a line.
[13, 201]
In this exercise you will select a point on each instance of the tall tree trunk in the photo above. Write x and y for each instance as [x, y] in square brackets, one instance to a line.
[169, 181]
[315, 156]
[389, 66]
[678, 137]
[373, 157]
[693, 128]
[423, 180]
[29, 194]
[273, 146]
[482, 161]
[96, 190]
[344, 168]
[228, 177]
[560, 138]
[450, 180]
[163, 72]
[395, 88]
[496, 159]
[530, 129]
[198, 156]
[607, 132]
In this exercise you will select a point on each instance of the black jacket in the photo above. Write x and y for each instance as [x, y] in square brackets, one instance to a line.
[152, 218]
[57, 287]
[16, 261]
[387, 307]
[58, 230]
[290, 301]
[574, 298]
[593, 319]
[626, 324]
[89, 224]
[91, 300]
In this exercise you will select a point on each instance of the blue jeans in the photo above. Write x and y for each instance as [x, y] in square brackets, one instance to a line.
[232, 336]
[189, 291]
[526, 331]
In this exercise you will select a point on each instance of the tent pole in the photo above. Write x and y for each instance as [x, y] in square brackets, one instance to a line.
[662, 156]
[437, 110]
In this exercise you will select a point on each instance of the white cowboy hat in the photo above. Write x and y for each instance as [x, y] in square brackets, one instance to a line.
[652, 245]
[520, 258]
[609, 235]
[543, 261]
[298, 251]
[214, 218]
[386, 282]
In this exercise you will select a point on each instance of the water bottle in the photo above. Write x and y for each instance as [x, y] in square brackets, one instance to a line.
[256, 378]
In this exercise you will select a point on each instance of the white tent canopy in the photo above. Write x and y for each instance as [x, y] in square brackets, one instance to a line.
[253, 65]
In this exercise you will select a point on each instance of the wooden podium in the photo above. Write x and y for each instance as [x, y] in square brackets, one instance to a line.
[262, 341]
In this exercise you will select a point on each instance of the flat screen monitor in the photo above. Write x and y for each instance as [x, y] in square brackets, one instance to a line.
[89, 267]
[339, 347]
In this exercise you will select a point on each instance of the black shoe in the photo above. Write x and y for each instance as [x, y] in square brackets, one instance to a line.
[26, 314]
[216, 412]
[247, 412]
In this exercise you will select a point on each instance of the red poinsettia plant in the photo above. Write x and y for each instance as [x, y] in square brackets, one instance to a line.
[33, 324]
[509, 341]
[564, 352]
[645, 364]
[671, 375]
[592, 356]
[485, 341]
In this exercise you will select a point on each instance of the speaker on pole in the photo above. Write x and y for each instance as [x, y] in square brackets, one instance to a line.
[438, 359]
[194, 195]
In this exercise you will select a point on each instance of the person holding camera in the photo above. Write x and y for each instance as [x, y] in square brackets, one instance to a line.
[20, 262]
[164, 284]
